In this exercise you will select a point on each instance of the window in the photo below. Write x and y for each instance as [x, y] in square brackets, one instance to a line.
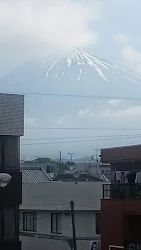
[56, 221]
[97, 222]
[102, 171]
[30, 221]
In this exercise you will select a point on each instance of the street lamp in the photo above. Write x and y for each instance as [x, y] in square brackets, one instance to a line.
[4, 179]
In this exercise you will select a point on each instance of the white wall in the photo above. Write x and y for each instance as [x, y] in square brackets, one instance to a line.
[85, 229]
[85, 223]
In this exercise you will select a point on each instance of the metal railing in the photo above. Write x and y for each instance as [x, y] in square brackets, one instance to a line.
[122, 191]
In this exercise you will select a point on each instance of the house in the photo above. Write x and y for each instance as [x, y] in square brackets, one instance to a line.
[70, 177]
[33, 174]
[105, 169]
[45, 216]
[121, 203]
[11, 128]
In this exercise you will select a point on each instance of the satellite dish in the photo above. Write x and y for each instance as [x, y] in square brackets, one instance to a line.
[71, 168]
[76, 174]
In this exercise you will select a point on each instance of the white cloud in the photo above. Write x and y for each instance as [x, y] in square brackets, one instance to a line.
[62, 119]
[30, 121]
[114, 102]
[128, 112]
[84, 112]
[121, 38]
[130, 56]
[47, 25]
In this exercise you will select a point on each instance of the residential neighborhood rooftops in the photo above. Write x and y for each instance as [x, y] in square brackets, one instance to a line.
[34, 175]
[82, 177]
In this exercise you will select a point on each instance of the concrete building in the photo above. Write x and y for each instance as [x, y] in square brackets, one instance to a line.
[45, 219]
[11, 128]
[121, 203]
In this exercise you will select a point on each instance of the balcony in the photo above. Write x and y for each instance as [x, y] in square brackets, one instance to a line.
[122, 191]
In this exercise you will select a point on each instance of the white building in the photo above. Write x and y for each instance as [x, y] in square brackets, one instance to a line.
[45, 220]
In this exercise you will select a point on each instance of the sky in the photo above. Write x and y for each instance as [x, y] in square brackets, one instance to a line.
[109, 29]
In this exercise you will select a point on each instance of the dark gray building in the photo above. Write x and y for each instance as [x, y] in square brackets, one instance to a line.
[11, 128]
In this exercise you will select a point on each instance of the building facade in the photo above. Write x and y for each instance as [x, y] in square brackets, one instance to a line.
[45, 216]
[11, 128]
[121, 203]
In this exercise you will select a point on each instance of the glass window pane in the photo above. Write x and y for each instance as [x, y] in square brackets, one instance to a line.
[59, 223]
[97, 223]
[30, 221]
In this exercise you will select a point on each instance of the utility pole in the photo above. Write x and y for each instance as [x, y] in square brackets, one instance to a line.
[60, 157]
[73, 225]
[71, 154]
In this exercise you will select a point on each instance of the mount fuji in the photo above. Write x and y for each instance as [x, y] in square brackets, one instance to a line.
[76, 73]
[81, 74]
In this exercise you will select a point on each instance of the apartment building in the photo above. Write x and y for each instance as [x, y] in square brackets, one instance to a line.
[11, 128]
[121, 203]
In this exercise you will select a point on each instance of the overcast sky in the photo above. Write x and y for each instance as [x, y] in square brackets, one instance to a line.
[109, 29]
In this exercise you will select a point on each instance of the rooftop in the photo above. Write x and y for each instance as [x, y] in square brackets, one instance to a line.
[34, 175]
[57, 195]
[82, 177]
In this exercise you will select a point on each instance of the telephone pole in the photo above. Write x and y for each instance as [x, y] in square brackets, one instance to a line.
[71, 154]
[73, 225]
[60, 157]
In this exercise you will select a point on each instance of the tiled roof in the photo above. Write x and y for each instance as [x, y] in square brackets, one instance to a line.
[83, 177]
[34, 175]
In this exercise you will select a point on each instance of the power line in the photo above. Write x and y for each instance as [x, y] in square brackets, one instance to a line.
[79, 141]
[84, 128]
[77, 96]
[77, 137]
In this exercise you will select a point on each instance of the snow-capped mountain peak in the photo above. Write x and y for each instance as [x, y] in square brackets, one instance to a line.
[83, 61]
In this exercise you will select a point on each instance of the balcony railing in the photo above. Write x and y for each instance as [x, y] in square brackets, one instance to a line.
[122, 191]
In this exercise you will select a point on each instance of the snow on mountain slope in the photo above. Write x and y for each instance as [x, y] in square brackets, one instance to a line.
[80, 59]
[76, 73]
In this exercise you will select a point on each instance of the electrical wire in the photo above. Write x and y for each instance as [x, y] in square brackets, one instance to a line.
[79, 141]
[83, 128]
[77, 96]
[77, 137]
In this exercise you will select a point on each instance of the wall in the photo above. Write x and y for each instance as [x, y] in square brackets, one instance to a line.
[112, 212]
[29, 243]
[85, 223]
[85, 229]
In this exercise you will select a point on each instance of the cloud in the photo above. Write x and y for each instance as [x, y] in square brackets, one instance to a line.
[114, 101]
[30, 121]
[62, 119]
[39, 27]
[121, 38]
[130, 56]
[128, 112]
[84, 112]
